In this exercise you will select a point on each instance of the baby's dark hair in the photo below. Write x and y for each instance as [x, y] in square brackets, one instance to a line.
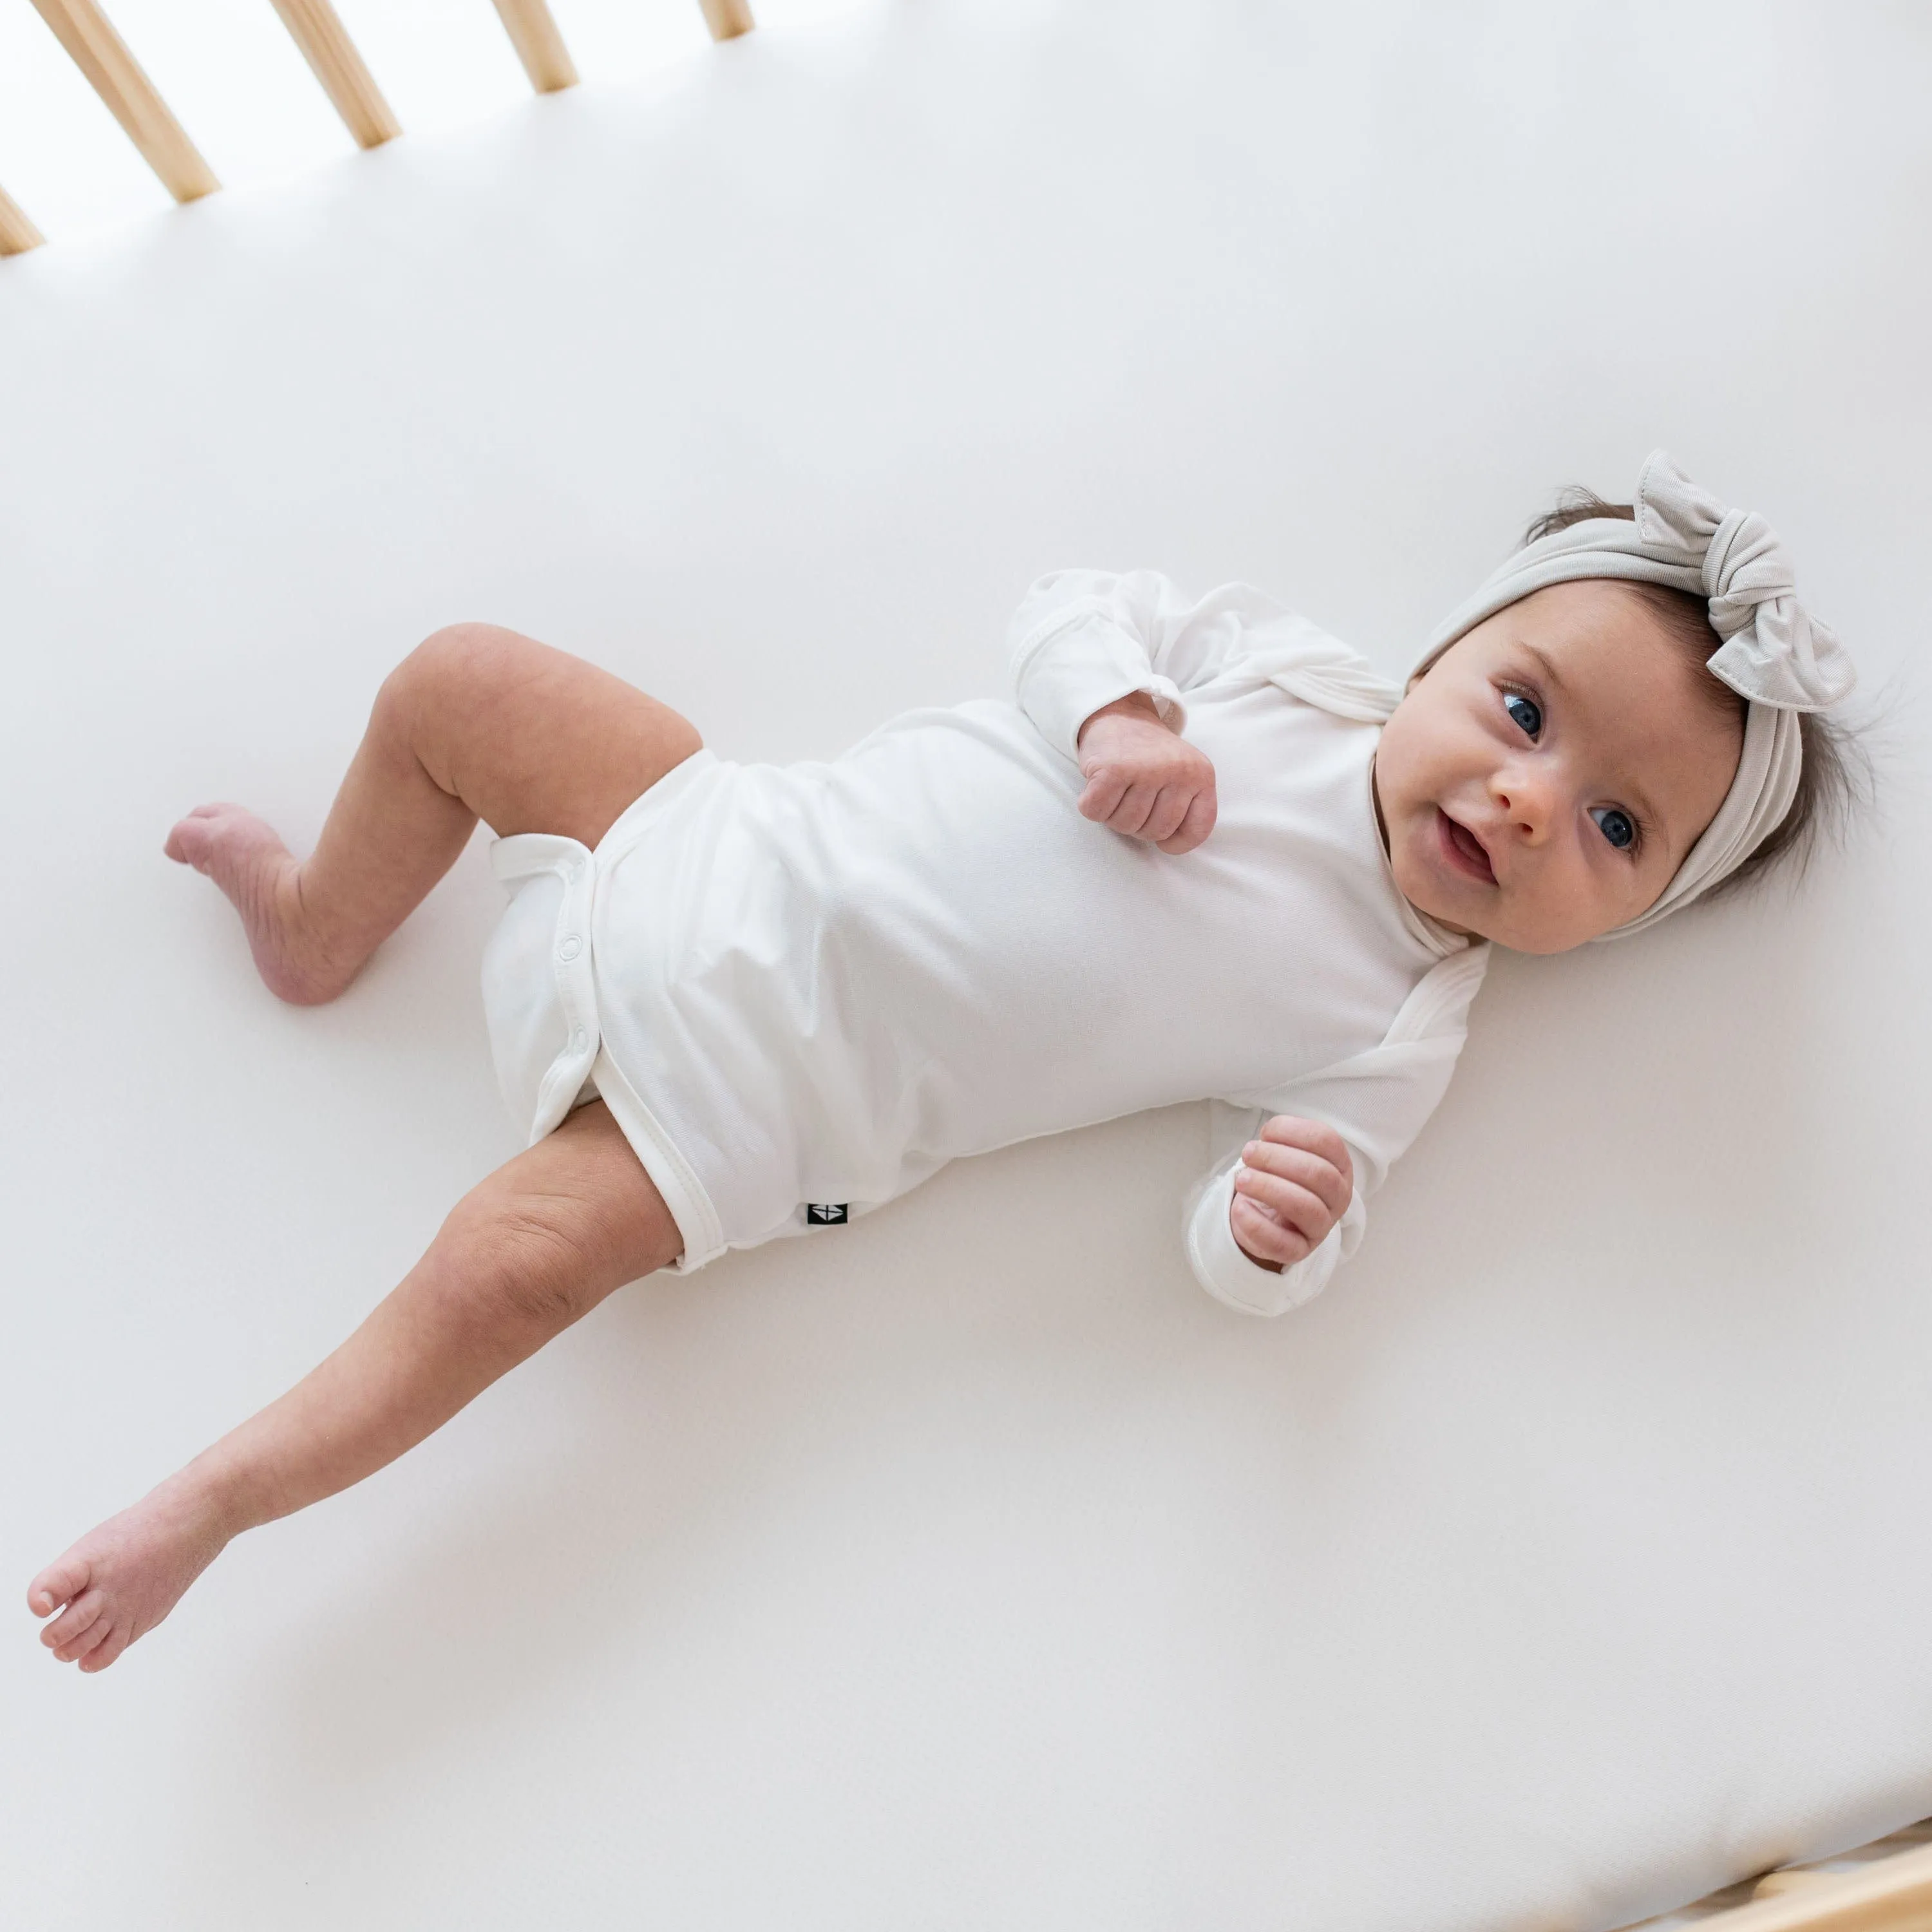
[1836, 775]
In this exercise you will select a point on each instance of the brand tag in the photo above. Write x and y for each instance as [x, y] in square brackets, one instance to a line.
[826, 1213]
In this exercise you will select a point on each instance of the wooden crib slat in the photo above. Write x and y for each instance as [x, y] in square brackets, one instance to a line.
[17, 233]
[1892, 1894]
[727, 18]
[115, 75]
[533, 32]
[315, 28]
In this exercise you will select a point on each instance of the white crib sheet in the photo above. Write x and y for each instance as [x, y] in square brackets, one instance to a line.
[1564, 1560]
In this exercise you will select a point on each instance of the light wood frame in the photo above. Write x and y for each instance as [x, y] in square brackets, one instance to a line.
[1883, 1887]
[533, 33]
[115, 75]
[131, 96]
[317, 29]
[727, 19]
[17, 233]
[1893, 1895]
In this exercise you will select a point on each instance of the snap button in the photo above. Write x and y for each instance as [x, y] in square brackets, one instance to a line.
[569, 946]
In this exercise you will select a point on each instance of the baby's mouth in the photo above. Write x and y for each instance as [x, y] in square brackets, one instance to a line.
[1462, 849]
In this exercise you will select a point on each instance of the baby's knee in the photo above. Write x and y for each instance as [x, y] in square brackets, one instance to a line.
[456, 675]
[464, 662]
[518, 1259]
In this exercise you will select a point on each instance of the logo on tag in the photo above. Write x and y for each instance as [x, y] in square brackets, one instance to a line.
[826, 1213]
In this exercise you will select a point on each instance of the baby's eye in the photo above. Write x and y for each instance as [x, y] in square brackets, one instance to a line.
[1617, 826]
[1524, 711]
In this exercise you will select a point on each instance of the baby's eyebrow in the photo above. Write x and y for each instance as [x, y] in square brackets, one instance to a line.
[1551, 673]
[1650, 817]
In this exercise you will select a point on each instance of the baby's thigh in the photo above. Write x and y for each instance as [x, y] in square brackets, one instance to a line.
[574, 1216]
[532, 739]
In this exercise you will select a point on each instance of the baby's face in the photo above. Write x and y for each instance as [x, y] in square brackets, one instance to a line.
[1542, 782]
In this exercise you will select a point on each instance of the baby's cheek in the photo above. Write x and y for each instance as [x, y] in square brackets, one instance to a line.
[1549, 925]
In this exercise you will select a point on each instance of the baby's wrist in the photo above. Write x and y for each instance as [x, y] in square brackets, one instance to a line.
[1137, 704]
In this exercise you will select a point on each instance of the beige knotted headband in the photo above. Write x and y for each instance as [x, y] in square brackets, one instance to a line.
[1774, 654]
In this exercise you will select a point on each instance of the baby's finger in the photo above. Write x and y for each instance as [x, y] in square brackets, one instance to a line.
[1317, 1137]
[1321, 1177]
[1293, 1205]
[1130, 815]
[1105, 788]
[1261, 1235]
[1195, 824]
[1169, 809]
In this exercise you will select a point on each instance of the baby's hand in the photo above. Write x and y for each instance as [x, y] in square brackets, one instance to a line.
[1144, 780]
[1293, 1185]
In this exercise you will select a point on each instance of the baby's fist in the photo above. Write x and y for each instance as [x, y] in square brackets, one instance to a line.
[1143, 780]
[1292, 1186]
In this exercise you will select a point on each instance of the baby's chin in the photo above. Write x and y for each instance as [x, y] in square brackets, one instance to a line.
[1522, 935]
[1416, 881]
[1500, 922]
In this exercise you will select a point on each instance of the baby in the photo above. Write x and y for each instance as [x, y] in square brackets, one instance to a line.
[1209, 854]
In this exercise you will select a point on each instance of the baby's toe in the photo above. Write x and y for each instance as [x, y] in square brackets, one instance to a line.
[111, 1645]
[192, 837]
[85, 1642]
[59, 1583]
[77, 1617]
[188, 842]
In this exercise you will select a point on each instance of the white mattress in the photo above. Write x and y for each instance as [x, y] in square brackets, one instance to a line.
[1567, 1559]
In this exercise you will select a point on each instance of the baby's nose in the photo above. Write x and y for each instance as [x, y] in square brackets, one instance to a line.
[1525, 798]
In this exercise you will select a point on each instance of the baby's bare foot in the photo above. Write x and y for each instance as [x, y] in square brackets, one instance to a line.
[120, 1580]
[248, 861]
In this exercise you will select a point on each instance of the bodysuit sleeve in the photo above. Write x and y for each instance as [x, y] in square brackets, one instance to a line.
[1082, 638]
[1377, 1102]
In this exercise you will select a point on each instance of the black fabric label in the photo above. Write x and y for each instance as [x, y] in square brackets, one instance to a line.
[826, 1213]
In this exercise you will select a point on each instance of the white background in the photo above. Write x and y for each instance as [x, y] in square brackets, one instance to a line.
[967, 1567]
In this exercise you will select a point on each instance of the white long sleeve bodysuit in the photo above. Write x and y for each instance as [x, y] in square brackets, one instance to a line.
[816, 983]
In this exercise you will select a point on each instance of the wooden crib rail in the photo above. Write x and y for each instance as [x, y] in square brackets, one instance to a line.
[539, 46]
[1884, 1886]
[317, 29]
[1892, 1894]
[115, 75]
[17, 233]
[727, 18]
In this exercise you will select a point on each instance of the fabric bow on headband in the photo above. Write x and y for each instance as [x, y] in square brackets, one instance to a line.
[1774, 653]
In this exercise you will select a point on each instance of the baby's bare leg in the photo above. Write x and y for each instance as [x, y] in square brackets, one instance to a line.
[476, 722]
[539, 1243]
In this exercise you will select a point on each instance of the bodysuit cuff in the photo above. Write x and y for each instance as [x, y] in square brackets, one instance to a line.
[1225, 1271]
[1075, 667]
